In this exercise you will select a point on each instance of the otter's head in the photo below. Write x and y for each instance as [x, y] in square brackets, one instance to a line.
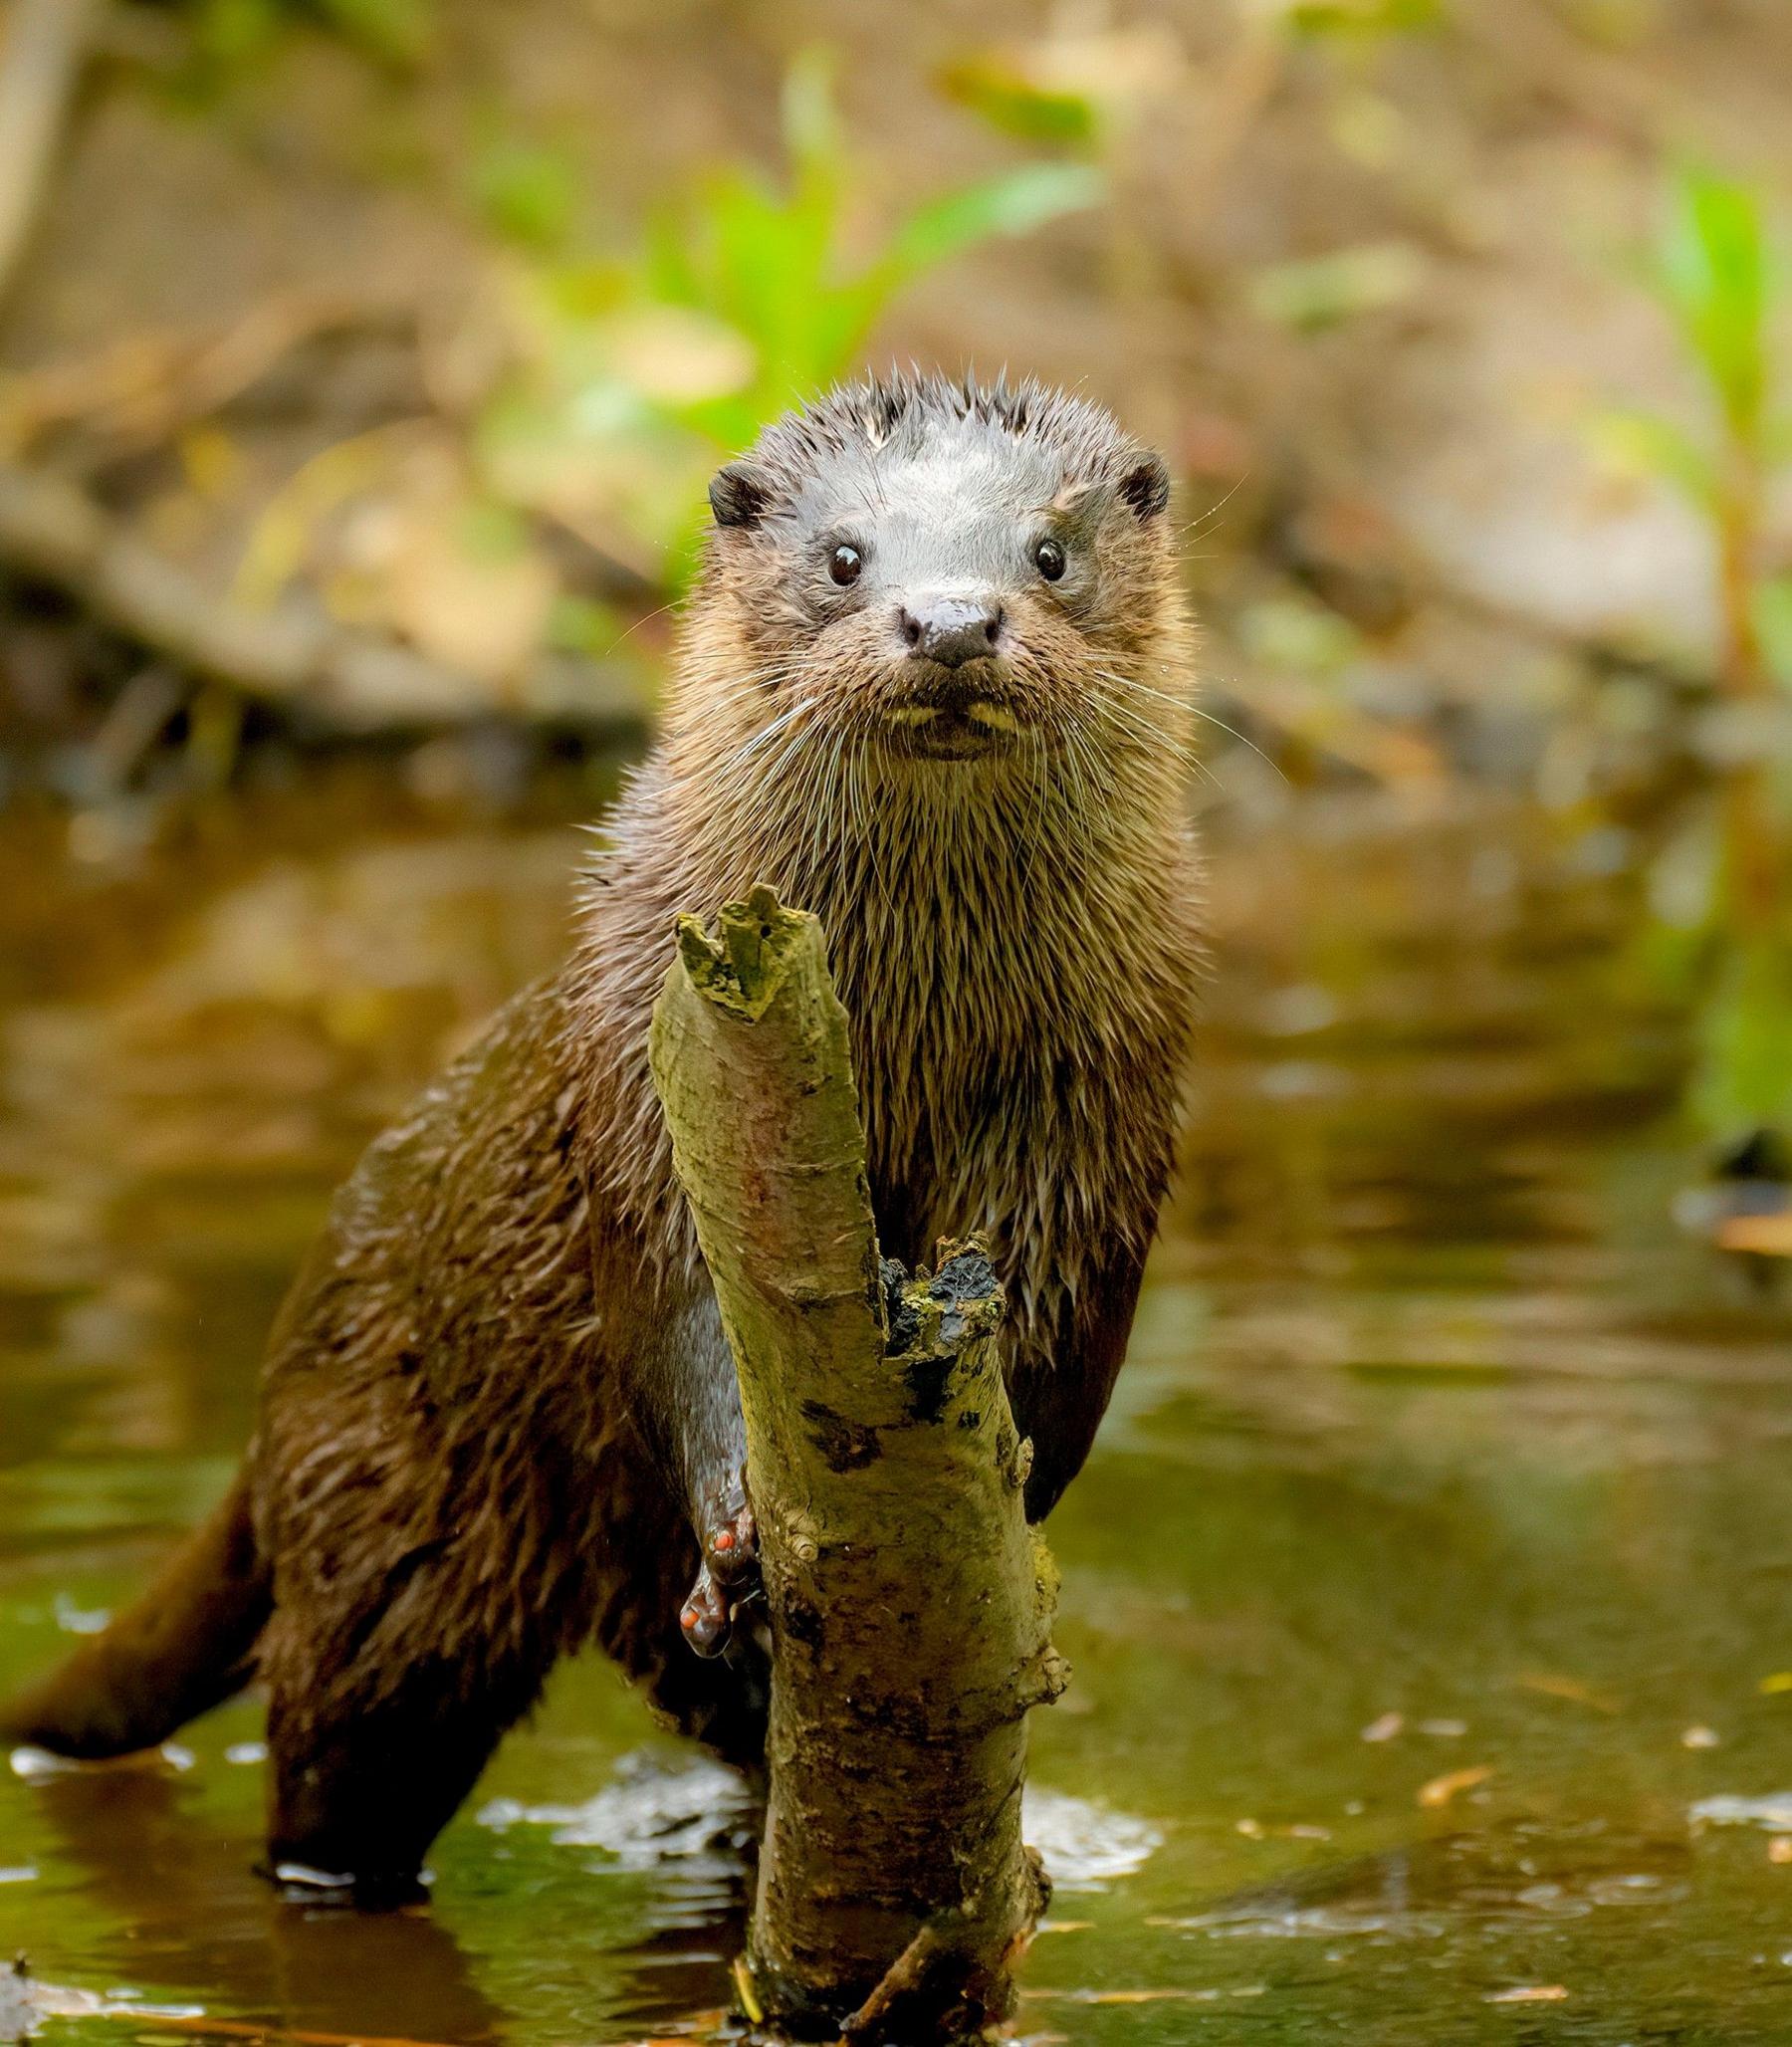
[943, 571]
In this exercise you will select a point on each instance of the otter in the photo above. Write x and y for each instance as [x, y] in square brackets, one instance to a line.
[933, 684]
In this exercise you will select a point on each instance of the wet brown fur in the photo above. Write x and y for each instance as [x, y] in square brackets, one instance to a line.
[492, 1405]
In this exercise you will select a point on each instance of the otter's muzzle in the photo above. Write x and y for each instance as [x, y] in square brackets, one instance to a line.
[950, 630]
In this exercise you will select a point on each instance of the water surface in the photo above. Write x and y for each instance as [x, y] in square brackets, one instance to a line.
[1432, 1570]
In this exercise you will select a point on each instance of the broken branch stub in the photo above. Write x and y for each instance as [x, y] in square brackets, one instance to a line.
[909, 1602]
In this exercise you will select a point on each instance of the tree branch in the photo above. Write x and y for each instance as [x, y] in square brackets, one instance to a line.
[293, 656]
[909, 1600]
[40, 67]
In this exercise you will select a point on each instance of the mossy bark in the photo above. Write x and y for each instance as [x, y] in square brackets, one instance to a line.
[909, 1602]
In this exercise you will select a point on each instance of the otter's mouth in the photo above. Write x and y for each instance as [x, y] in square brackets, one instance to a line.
[960, 712]
[952, 732]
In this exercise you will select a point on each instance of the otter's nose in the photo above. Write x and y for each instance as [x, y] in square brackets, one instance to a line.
[951, 630]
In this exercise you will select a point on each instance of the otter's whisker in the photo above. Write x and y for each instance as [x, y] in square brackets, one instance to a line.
[1243, 739]
[1152, 741]
[1206, 520]
[777, 726]
[790, 750]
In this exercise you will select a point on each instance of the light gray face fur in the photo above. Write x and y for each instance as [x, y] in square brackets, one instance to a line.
[952, 556]
[963, 512]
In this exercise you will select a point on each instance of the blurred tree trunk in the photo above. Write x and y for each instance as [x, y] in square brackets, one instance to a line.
[909, 1602]
[42, 47]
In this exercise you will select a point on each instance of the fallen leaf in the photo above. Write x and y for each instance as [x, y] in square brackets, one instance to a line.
[1768, 1236]
[1571, 1689]
[1779, 1849]
[1440, 1790]
[1772, 1687]
[1530, 1993]
[1385, 1728]
[1207, 1996]
[744, 1991]
[1700, 1737]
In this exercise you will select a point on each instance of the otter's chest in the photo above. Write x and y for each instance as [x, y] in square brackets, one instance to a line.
[961, 1069]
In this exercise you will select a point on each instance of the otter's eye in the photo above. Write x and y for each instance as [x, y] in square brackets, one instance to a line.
[843, 564]
[1048, 560]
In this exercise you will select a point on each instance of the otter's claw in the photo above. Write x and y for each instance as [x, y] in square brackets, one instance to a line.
[728, 1579]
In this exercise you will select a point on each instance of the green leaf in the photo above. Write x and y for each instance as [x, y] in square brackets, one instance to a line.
[400, 31]
[1774, 622]
[527, 192]
[1745, 1075]
[998, 90]
[1015, 203]
[1324, 291]
[1715, 274]
[1646, 445]
[1364, 19]
[936, 233]
[811, 122]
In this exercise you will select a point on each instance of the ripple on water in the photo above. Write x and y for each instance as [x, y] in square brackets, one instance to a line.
[1774, 1812]
[697, 1816]
[1086, 1846]
[34, 1766]
[653, 1812]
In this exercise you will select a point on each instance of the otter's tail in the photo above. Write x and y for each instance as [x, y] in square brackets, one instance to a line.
[186, 1645]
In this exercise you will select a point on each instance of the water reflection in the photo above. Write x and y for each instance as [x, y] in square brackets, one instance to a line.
[202, 1921]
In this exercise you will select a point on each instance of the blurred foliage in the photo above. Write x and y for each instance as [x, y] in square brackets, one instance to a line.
[1089, 92]
[1363, 18]
[1743, 1080]
[1722, 888]
[1296, 634]
[599, 391]
[1084, 89]
[773, 267]
[1319, 292]
[586, 392]
[1725, 286]
[1076, 91]
[231, 33]
[527, 190]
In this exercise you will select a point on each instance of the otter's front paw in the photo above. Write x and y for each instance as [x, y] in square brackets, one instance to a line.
[729, 1576]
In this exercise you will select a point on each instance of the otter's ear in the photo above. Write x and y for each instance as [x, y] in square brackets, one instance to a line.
[740, 494]
[1146, 487]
